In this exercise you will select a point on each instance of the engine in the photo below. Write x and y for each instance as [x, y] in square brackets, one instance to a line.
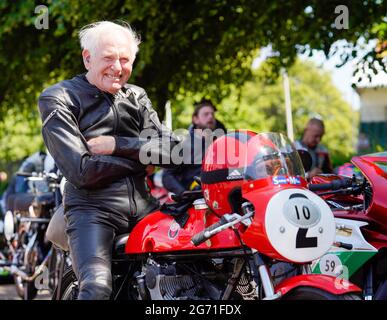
[184, 281]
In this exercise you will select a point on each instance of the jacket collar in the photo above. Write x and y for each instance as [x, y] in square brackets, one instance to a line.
[87, 86]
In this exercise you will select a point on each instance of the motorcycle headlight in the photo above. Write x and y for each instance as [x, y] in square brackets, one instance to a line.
[9, 225]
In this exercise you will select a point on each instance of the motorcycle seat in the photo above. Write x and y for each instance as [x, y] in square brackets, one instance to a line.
[120, 242]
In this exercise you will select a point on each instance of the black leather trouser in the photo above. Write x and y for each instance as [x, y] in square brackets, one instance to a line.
[93, 221]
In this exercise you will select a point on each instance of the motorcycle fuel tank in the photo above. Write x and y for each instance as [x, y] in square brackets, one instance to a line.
[160, 232]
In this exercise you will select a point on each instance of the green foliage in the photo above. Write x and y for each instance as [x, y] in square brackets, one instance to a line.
[259, 106]
[188, 46]
[20, 135]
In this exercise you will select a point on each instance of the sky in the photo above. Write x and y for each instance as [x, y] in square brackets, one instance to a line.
[341, 77]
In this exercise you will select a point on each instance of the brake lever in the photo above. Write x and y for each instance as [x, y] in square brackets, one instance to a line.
[226, 221]
[233, 220]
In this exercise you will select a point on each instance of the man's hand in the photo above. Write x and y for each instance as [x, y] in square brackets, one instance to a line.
[102, 145]
[314, 172]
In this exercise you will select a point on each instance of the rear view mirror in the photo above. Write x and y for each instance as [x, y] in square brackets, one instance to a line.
[306, 159]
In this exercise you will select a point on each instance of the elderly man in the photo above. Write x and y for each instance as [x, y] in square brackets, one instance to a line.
[310, 141]
[91, 126]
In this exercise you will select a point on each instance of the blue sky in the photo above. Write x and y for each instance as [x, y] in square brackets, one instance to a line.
[341, 77]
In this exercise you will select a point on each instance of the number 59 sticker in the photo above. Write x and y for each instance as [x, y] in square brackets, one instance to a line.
[330, 264]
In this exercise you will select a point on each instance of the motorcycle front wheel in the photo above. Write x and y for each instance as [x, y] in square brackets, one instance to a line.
[310, 293]
[68, 287]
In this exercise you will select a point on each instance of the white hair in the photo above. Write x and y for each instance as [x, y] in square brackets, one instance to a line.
[89, 35]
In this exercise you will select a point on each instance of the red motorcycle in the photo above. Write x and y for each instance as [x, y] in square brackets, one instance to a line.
[359, 205]
[222, 242]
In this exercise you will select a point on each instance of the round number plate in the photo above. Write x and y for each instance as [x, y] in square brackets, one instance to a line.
[299, 225]
[330, 264]
[302, 212]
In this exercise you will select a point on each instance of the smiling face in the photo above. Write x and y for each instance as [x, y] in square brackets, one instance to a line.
[109, 65]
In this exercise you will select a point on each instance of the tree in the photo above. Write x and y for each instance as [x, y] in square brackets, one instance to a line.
[188, 46]
[195, 45]
[260, 107]
[19, 136]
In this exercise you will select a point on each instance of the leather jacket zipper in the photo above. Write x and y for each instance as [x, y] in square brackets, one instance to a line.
[132, 205]
[115, 113]
[116, 118]
[49, 117]
[132, 201]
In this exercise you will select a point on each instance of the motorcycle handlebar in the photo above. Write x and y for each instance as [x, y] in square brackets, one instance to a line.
[40, 176]
[26, 174]
[334, 185]
[201, 237]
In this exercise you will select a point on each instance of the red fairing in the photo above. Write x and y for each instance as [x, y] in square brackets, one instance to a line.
[331, 284]
[378, 180]
[259, 193]
[376, 213]
[255, 236]
[159, 232]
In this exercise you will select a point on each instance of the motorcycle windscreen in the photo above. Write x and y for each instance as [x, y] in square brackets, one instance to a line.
[271, 154]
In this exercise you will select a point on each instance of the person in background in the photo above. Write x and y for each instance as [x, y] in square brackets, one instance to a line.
[311, 138]
[3, 187]
[181, 178]
[3, 181]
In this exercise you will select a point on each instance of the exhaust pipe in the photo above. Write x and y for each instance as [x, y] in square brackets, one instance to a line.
[14, 270]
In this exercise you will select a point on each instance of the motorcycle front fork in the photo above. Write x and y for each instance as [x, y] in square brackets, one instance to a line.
[368, 289]
[370, 292]
[63, 256]
[265, 276]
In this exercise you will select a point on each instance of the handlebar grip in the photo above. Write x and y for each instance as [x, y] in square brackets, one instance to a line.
[320, 187]
[344, 245]
[334, 185]
[200, 237]
[24, 174]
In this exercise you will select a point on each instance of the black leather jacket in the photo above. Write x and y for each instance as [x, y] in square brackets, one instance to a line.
[74, 111]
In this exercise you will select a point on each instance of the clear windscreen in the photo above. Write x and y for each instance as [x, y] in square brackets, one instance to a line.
[272, 154]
